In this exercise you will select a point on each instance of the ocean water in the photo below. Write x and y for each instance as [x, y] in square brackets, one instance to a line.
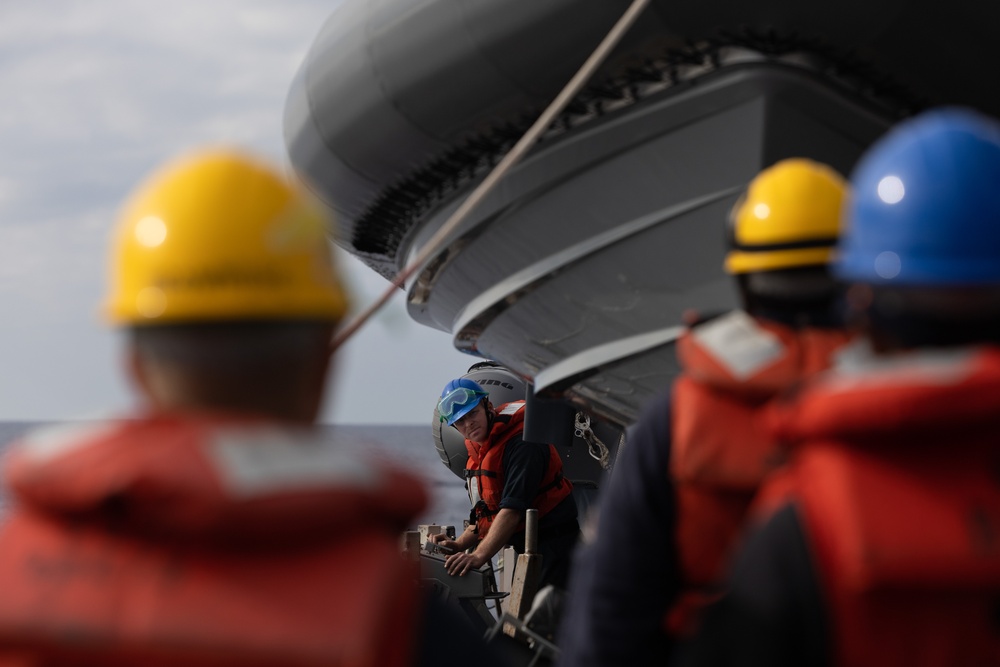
[411, 446]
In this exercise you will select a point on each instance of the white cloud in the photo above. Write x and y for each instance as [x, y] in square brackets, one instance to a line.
[95, 95]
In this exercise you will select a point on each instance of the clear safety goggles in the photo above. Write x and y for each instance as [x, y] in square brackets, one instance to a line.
[457, 399]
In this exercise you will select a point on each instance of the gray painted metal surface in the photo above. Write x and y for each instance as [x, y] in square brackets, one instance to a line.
[575, 272]
[614, 231]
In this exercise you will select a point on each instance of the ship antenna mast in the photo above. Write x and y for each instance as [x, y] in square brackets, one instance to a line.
[527, 140]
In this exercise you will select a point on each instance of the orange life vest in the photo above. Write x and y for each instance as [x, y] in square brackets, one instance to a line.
[204, 541]
[896, 476]
[485, 474]
[731, 366]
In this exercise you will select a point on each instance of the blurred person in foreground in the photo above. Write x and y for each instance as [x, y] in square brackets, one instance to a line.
[879, 544]
[215, 526]
[679, 495]
[504, 477]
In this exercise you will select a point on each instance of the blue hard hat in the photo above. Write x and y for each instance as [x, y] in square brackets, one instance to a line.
[925, 206]
[458, 398]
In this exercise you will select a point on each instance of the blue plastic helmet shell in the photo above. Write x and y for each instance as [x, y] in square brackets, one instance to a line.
[925, 206]
[470, 394]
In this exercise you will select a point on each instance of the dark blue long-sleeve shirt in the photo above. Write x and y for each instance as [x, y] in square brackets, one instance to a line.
[623, 583]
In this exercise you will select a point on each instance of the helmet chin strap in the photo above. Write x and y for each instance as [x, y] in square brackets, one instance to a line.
[490, 414]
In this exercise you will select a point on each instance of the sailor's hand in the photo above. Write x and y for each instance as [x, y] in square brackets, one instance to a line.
[460, 563]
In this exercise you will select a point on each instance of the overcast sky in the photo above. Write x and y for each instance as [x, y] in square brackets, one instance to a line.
[95, 95]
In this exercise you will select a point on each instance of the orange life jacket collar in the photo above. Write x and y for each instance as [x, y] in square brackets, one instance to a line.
[915, 394]
[754, 358]
[213, 478]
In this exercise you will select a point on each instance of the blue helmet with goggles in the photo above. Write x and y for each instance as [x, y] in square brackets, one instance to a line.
[458, 398]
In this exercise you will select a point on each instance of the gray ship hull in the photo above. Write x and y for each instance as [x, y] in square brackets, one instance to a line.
[575, 272]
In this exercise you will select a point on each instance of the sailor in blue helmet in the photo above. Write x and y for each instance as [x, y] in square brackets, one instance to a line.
[506, 476]
[880, 544]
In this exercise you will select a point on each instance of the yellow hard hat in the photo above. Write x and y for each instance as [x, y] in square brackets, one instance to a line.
[219, 235]
[788, 217]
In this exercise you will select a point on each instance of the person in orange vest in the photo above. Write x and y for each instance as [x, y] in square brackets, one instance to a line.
[877, 544]
[504, 477]
[215, 526]
[678, 496]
